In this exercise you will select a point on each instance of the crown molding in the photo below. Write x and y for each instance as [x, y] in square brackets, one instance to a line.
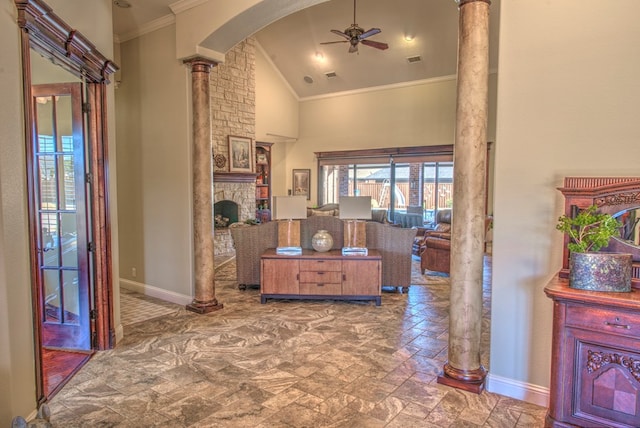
[156, 24]
[182, 5]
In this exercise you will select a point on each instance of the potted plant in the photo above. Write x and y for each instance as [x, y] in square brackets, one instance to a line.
[589, 269]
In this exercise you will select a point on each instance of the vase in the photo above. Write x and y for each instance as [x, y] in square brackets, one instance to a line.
[600, 271]
[322, 241]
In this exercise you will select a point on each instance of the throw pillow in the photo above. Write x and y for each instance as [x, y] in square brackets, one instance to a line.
[322, 212]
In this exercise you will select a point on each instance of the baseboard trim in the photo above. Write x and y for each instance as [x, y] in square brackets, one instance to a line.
[119, 333]
[158, 293]
[519, 390]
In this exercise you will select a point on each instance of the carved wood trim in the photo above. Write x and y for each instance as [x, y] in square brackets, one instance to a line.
[392, 151]
[53, 38]
[234, 177]
[611, 195]
[596, 360]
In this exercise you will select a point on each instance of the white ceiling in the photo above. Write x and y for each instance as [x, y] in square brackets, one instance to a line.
[292, 42]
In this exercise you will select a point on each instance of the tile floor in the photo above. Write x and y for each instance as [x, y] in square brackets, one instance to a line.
[286, 364]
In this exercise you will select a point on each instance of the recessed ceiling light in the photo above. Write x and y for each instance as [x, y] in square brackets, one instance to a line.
[122, 3]
[409, 37]
[308, 79]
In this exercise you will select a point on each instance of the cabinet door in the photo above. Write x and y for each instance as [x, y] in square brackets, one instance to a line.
[606, 390]
[280, 276]
[361, 277]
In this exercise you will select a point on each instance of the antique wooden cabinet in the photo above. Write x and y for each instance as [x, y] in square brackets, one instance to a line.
[263, 181]
[595, 367]
[315, 275]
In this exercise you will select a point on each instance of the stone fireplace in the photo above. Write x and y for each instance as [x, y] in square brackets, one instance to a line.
[232, 194]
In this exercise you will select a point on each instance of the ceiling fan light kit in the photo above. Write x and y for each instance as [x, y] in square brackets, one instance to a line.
[354, 35]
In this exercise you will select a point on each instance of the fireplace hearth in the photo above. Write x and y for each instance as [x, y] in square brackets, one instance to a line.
[225, 213]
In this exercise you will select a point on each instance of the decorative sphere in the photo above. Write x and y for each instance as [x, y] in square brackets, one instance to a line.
[322, 241]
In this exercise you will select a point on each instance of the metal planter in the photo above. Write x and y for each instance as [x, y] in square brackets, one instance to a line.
[600, 271]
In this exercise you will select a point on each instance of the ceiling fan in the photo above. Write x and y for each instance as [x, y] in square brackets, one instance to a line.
[355, 35]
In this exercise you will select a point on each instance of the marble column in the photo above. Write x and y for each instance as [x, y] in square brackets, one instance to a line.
[463, 369]
[204, 300]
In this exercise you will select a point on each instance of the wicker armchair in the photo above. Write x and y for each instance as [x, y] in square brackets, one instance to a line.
[250, 242]
[394, 244]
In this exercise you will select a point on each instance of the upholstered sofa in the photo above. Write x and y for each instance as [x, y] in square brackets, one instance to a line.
[394, 244]
[436, 244]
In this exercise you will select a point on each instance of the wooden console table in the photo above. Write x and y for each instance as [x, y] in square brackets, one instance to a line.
[595, 362]
[315, 275]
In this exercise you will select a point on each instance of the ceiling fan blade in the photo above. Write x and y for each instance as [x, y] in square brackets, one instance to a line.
[341, 34]
[377, 45]
[338, 41]
[369, 33]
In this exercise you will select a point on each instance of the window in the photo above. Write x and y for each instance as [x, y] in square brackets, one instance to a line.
[410, 183]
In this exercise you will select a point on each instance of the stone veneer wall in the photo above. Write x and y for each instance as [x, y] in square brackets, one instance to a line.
[232, 89]
[233, 98]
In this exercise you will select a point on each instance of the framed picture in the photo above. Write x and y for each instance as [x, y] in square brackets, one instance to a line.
[261, 159]
[240, 154]
[302, 182]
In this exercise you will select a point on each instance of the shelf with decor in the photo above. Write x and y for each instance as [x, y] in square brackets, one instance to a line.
[263, 181]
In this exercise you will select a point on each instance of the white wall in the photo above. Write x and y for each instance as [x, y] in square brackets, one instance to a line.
[154, 166]
[567, 97]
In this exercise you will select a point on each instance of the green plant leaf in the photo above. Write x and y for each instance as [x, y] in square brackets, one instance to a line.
[589, 230]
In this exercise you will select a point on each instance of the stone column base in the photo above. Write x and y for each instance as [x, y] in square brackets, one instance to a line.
[204, 307]
[467, 380]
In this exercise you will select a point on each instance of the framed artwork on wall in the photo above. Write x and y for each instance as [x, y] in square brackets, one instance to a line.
[301, 180]
[240, 154]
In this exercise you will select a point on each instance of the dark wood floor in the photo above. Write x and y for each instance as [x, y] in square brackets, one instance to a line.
[58, 366]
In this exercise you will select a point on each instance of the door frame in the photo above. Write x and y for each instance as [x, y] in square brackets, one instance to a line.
[50, 36]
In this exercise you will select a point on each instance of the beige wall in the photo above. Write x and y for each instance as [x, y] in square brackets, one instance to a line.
[416, 115]
[567, 97]
[277, 118]
[17, 395]
[154, 165]
[17, 371]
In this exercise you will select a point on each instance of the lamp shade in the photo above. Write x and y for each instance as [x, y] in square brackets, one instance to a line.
[355, 207]
[289, 207]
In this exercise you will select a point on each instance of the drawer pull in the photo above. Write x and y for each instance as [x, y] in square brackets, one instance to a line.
[320, 273]
[320, 284]
[616, 325]
[344, 277]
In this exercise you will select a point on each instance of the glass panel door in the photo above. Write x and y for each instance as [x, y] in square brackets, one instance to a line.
[62, 234]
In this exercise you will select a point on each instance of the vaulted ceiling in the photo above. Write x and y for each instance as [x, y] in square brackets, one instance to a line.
[293, 44]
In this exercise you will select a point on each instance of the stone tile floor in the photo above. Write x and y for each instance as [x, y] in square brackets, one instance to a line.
[287, 364]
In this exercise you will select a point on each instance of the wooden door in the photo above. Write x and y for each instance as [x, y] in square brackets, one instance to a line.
[60, 232]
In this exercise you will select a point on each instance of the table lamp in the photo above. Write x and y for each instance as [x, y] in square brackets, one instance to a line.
[287, 210]
[354, 209]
